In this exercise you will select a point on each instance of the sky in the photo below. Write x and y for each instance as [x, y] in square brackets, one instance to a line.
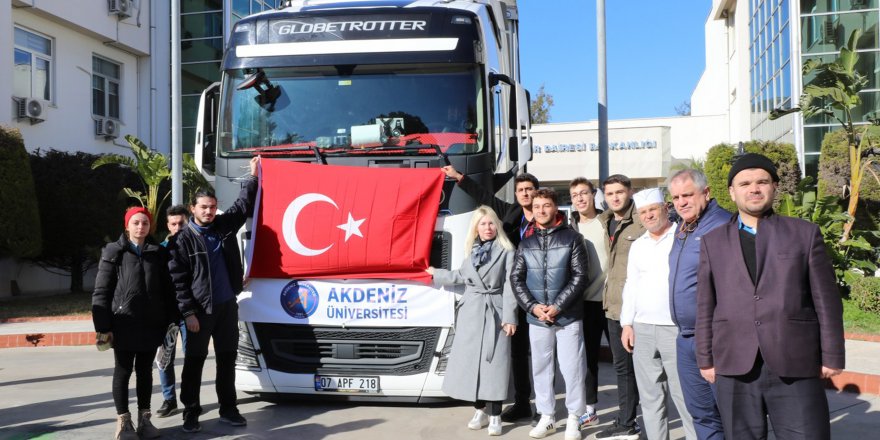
[655, 55]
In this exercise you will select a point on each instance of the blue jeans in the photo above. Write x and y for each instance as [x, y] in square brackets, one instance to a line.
[166, 376]
[699, 395]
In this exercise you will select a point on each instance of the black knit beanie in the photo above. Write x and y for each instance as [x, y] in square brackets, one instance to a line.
[752, 160]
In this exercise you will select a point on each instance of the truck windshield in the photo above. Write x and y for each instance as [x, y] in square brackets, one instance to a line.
[352, 110]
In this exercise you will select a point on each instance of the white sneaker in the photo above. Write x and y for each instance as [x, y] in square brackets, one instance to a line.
[545, 427]
[573, 427]
[480, 420]
[494, 425]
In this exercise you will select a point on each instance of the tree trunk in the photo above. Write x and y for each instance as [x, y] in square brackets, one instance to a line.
[76, 272]
[855, 184]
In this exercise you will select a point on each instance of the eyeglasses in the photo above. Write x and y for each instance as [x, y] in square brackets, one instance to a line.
[583, 194]
[685, 229]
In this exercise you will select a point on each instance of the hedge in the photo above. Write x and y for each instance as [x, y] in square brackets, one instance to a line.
[866, 294]
[19, 216]
[834, 166]
[720, 158]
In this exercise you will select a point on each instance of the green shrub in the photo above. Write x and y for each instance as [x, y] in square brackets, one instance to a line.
[865, 293]
[19, 216]
[786, 160]
[719, 159]
[81, 209]
[834, 169]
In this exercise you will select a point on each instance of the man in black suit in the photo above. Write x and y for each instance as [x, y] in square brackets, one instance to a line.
[769, 323]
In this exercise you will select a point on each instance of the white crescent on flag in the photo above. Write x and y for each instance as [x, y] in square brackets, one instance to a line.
[291, 214]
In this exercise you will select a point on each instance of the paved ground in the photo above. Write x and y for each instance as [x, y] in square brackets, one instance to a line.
[64, 393]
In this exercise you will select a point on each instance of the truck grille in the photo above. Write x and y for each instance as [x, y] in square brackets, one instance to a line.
[440, 249]
[329, 350]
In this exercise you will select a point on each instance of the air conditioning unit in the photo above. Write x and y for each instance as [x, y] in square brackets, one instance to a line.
[121, 8]
[108, 128]
[829, 33]
[27, 108]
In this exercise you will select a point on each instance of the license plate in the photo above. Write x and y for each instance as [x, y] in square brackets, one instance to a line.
[347, 384]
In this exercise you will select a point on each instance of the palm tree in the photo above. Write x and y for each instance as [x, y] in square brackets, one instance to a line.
[152, 169]
[834, 93]
[692, 164]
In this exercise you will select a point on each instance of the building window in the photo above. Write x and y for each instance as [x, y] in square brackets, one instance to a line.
[105, 88]
[32, 76]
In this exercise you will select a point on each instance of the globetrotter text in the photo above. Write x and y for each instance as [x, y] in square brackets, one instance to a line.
[295, 27]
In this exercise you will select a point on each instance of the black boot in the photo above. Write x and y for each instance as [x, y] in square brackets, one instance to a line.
[168, 407]
[516, 412]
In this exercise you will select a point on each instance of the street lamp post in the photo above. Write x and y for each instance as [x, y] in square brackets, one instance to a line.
[176, 151]
[603, 90]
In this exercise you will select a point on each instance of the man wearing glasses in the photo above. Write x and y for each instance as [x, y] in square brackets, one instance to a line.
[584, 219]
[699, 214]
[518, 222]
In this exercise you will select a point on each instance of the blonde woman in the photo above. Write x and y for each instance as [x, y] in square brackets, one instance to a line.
[479, 365]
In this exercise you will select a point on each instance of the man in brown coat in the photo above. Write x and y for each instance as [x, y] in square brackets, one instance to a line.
[623, 227]
[769, 316]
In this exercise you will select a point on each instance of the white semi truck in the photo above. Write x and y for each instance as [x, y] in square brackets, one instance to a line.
[376, 83]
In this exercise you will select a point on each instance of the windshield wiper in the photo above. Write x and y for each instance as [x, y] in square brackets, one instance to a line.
[319, 153]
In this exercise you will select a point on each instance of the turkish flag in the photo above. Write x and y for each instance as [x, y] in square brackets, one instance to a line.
[326, 221]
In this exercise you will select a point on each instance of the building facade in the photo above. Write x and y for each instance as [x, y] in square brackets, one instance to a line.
[85, 74]
[826, 26]
[768, 43]
[204, 28]
[642, 149]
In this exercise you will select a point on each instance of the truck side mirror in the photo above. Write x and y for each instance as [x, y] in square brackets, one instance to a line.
[206, 132]
[520, 145]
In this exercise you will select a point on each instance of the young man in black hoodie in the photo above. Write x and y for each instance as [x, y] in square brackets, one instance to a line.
[207, 274]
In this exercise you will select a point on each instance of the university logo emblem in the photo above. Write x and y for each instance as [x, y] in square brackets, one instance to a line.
[299, 299]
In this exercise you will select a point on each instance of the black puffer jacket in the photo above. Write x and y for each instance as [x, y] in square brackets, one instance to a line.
[189, 265]
[133, 296]
[550, 268]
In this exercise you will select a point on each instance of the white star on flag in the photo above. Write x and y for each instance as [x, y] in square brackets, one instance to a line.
[352, 227]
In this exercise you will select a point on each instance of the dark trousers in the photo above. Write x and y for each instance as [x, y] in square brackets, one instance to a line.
[141, 363]
[491, 407]
[797, 407]
[519, 361]
[222, 326]
[627, 392]
[594, 327]
[699, 395]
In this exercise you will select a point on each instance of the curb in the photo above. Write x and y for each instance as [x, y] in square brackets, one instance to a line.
[47, 339]
[848, 381]
[861, 337]
[46, 318]
[857, 383]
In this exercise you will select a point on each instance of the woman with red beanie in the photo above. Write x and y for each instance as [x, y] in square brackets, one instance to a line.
[131, 307]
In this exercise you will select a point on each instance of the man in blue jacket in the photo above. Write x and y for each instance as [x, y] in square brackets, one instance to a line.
[207, 273]
[699, 214]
